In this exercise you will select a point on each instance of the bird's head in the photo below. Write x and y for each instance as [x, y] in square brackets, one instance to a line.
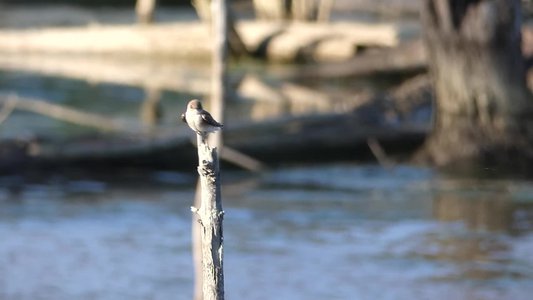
[194, 104]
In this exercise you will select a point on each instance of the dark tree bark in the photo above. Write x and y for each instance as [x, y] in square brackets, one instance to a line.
[483, 107]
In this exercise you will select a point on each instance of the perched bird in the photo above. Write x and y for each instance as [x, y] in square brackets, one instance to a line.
[199, 119]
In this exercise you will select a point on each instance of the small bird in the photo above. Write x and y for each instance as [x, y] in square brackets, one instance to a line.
[199, 119]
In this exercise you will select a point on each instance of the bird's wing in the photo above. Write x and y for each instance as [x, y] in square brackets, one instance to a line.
[183, 118]
[209, 119]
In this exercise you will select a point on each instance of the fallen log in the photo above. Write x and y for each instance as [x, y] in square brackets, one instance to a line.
[191, 40]
[397, 122]
[409, 57]
[333, 136]
[315, 41]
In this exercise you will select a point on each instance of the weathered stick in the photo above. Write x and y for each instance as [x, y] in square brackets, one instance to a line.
[212, 288]
[210, 215]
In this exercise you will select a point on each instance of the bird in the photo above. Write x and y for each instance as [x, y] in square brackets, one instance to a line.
[200, 120]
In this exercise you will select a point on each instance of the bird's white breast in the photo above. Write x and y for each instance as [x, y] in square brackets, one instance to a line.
[197, 123]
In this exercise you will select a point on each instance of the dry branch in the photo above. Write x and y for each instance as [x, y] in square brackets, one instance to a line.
[210, 216]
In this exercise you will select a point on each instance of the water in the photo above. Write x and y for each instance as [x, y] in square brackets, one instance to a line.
[338, 231]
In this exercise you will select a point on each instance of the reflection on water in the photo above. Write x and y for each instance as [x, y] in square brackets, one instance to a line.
[488, 212]
[329, 232]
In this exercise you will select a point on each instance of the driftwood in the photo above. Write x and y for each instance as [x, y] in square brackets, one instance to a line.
[409, 57]
[187, 39]
[191, 39]
[315, 41]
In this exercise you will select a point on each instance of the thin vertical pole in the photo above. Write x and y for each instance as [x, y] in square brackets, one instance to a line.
[208, 256]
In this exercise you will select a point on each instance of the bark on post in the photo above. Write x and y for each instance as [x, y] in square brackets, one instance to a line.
[483, 106]
[210, 216]
[196, 231]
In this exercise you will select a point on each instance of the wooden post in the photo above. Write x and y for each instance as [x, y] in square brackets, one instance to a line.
[210, 216]
[219, 32]
[145, 11]
[208, 8]
[208, 237]
[197, 246]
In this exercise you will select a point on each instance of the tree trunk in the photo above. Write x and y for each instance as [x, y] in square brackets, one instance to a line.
[196, 231]
[483, 107]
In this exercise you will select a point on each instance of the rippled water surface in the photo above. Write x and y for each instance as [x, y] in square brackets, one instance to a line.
[328, 232]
